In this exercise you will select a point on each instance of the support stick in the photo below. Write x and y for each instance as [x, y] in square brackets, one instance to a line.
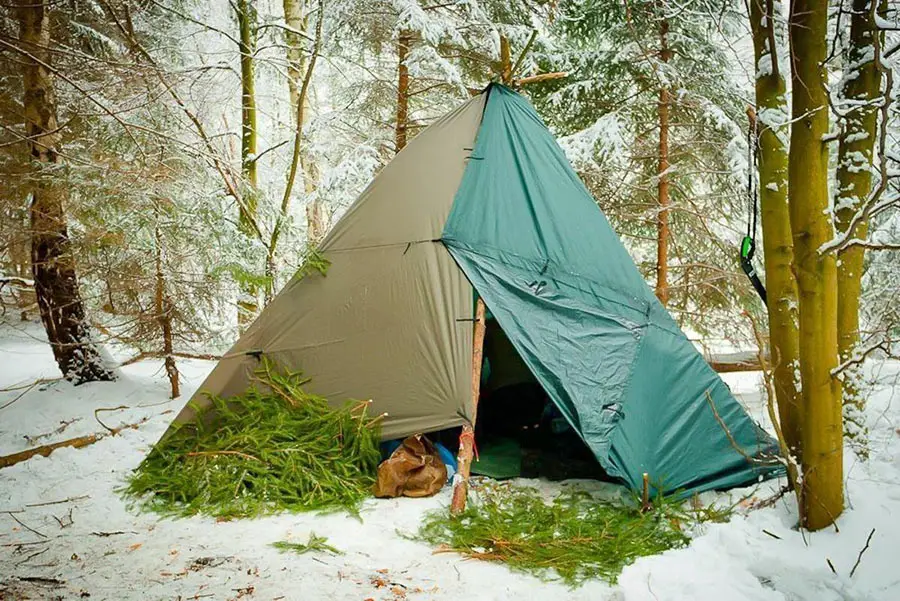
[467, 438]
[645, 496]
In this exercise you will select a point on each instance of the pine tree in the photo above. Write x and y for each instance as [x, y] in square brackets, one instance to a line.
[52, 262]
[619, 97]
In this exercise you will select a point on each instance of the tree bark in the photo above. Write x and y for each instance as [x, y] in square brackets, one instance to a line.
[860, 92]
[246, 16]
[296, 15]
[821, 427]
[52, 262]
[662, 219]
[404, 42]
[300, 71]
[778, 246]
[505, 61]
[164, 310]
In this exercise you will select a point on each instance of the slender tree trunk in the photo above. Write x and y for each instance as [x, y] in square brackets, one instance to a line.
[505, 61]
[246, 15]
[164, 310]
[662, 223]
[52, 262]
[778, 246]
[301, 64]
[854, 180]
[296, 15]
[404, 42]
[821, 428]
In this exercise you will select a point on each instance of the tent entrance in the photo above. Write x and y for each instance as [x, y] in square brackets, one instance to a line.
[519, 430]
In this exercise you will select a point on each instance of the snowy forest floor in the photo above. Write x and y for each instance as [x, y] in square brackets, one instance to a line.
[65, 533]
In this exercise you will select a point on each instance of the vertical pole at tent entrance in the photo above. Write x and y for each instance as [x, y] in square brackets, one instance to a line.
[467, 437]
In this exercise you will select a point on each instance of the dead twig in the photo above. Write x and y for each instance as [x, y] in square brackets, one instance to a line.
[859, 557]
[793, 469]
[66, 500]
[27, 388]
[66, 520]
[41, 580]
[24, 525]
[33, 555]
[96, 411]
[62, 427]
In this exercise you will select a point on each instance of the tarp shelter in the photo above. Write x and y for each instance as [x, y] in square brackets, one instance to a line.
[484, 202]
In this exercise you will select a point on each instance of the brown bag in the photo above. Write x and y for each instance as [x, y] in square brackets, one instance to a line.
[413, 470]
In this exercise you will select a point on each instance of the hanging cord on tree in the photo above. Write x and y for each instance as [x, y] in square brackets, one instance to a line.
[748, 244]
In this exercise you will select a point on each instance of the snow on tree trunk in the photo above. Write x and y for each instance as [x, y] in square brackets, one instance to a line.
[246, 16]
[52, 262]
[821, 426]
[860, 91]
[778, 247]
[301, 64]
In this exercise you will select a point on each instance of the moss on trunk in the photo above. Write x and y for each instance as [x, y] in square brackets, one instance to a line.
[821, 427]
[778, 246]
[854, 180]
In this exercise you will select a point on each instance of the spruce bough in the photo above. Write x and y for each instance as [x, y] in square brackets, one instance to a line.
[576, 535]
[274, 448]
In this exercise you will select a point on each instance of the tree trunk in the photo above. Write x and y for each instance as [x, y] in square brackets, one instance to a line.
[52, 262]
[246, 15]
[854, 180]
[778, 247]
[164, 310]
[821, 428]
[505, 61]
[404, 42]
[662, 219]
[301, 64]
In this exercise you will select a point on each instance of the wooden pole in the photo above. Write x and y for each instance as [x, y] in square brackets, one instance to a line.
[645, 493]
[467, 437]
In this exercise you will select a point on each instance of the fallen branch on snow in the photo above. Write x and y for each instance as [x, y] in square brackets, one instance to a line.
[27, 388]
[75, 443]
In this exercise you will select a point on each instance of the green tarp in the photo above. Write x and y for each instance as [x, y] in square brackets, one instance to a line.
[536, 247]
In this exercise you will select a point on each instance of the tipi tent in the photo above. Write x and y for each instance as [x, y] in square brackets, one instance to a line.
[484, 202]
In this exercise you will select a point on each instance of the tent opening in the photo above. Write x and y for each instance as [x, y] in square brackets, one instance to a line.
[519, 430]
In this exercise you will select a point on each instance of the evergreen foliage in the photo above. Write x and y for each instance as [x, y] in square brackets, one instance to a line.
[606, 115]
[274, 448]
[315, 544]
[577, 535]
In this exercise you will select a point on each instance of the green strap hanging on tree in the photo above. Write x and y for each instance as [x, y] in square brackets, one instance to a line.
[748, 244]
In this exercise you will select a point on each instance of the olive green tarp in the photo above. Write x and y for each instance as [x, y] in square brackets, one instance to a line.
[485, 198]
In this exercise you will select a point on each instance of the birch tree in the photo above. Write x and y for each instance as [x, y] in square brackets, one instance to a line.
[245, 11]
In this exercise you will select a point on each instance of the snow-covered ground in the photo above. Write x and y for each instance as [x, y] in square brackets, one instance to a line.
[66, 534]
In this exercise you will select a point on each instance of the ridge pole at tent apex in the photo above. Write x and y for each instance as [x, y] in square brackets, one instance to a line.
[467, 436]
